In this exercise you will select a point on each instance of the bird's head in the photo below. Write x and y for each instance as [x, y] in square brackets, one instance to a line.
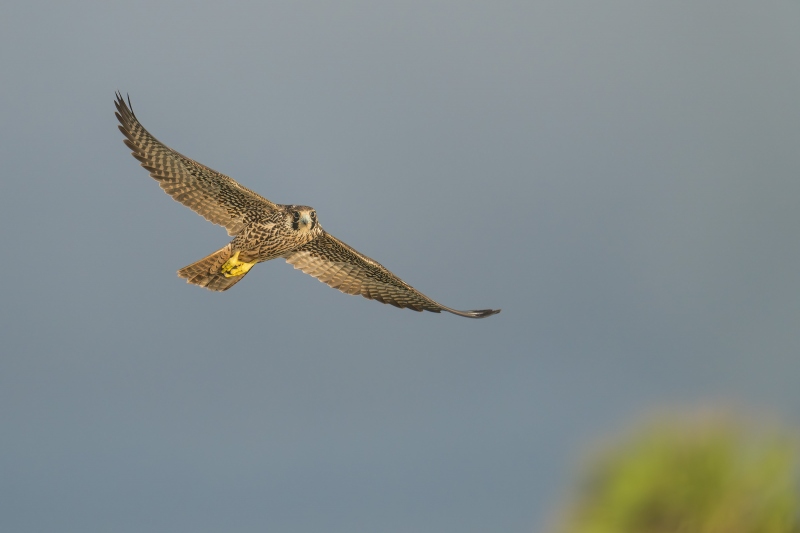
[301, 218]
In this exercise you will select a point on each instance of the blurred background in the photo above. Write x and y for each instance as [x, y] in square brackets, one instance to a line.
[703, 472]
[621, 178]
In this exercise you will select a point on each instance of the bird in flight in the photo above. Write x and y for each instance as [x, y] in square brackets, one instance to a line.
[263, 230]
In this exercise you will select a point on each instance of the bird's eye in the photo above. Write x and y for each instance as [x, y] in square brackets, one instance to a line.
[296, 216]
[314, 215]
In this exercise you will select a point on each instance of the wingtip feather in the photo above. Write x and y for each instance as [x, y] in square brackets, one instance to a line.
[483, 313]
[477, 313]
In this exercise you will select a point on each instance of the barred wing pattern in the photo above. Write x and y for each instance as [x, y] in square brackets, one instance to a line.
[333, 262]
[215, 196]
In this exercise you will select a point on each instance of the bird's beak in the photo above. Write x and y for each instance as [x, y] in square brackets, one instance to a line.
[305, 220]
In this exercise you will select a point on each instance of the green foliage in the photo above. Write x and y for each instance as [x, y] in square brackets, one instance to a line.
[709, 476]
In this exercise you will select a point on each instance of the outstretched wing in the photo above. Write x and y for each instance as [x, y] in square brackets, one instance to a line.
[207, 192]
[333, 262]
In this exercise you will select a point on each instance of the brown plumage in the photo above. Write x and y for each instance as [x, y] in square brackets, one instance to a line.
[264, 230]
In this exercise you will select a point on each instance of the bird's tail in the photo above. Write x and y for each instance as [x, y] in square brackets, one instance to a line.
[207, 273]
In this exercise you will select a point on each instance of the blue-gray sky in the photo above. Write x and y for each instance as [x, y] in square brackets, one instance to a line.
[621, 178]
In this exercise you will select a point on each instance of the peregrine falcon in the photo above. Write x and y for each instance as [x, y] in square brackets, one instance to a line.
[263, 230]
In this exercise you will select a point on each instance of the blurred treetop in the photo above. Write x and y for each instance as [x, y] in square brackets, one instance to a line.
[710, 475]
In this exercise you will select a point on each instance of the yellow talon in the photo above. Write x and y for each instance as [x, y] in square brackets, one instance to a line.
[234, 267]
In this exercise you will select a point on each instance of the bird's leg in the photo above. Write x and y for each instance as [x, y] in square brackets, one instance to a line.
[234, 267]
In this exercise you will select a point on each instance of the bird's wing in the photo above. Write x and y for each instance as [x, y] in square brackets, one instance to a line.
[207, 192]
[333, 262]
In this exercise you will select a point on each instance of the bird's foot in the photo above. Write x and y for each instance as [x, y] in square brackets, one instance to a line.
[234, 267]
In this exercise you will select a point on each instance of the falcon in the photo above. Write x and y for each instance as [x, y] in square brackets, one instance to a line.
[263, 230]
